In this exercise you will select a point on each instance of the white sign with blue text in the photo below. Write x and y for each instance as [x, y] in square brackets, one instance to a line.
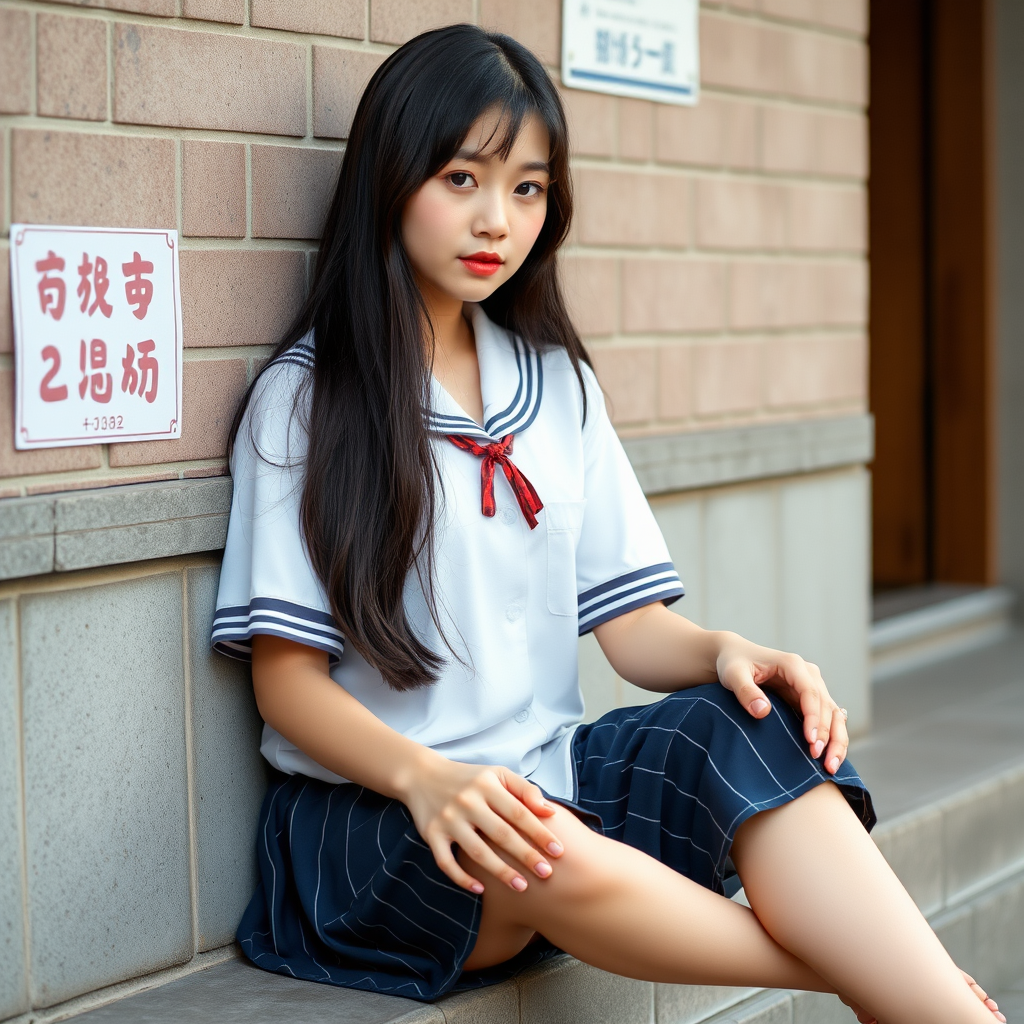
[647, 49]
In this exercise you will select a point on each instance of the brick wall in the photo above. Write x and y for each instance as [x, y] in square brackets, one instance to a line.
[718, 262]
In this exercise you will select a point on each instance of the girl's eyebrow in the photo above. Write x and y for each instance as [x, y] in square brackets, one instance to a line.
[468, 155]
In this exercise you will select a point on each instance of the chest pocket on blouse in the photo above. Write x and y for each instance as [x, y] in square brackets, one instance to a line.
[564, 520]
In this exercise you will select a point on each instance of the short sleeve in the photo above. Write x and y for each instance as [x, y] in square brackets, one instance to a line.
[622, 561]
[267, 584]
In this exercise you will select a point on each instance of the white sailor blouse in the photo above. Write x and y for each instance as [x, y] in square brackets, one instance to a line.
[511, 599]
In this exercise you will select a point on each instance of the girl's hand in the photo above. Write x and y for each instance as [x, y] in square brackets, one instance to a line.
[744, 668]
[451, 802]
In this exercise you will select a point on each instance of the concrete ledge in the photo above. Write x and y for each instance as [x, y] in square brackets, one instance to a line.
[680, 462]
[86, 529]
[114, 525]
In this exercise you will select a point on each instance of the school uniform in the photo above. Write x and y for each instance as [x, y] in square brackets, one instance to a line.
[349, 893]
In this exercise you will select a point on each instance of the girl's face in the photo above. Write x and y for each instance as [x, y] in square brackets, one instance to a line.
[469, 228]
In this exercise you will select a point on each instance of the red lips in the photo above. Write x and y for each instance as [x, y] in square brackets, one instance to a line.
[483, 264]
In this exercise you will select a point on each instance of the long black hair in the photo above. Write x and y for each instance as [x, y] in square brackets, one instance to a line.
[370, 486]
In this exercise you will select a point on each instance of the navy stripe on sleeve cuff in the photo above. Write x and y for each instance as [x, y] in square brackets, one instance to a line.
[234, 628]
[624, 593]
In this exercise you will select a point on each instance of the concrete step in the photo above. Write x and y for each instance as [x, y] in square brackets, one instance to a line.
[920, 626]
[946, 767]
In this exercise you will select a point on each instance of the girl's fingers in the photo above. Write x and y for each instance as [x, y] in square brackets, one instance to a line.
[442, 851]
[838, 743]
[808, 691]
[473, 846]
[530, 794]
[516, 811]
[740, 679]
[505, 837]
[824, 732]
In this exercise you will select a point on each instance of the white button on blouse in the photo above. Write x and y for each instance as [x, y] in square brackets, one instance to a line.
[512, 601]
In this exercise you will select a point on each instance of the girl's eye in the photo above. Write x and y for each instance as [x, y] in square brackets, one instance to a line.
[460, 179]
[529, 189]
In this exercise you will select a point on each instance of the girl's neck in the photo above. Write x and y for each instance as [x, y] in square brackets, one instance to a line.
[455, 364]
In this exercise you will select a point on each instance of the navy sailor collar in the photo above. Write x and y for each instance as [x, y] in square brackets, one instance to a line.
[511, 382]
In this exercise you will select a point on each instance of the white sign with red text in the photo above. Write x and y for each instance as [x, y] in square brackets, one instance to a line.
[97, 335]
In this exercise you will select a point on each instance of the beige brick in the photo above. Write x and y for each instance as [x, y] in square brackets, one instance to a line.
[632, 208]
[239, 297]
[158, 8]
[740, 214]
[99, 180]
[846, 15]
[6, 326]
[71, 67]
[92, 482]
[324, 17]
[740, 53]
[636, 121]
[230, 12]
[396, 21]
[200, 471]
[815, 371]
[773, 293]
[629, 381]
[814, 142]
[726, 378]
[339, 78]
[291, 190]
[843, 292]
[38, 460]
[591, 117]
[213, 189]
[537, 24]
[191, 79]
[15, 61]
[714, 133]
[675, 382]
[827, 218]
[673, 295]
[591, 287]
[211, 389]
[10, 492]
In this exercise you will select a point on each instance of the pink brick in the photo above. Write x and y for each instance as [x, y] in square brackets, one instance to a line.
[673, 295]
[828, 218]
[629, 380]
[632, 208]
[843, 292]
[339, 78]
[291, 190]
[591, 117]
[6, 327]
[773, 293]
[675, 382]
[212, 389]
[395, 21]
[158, 8]
[726, 378]
[636, 122]
[10, 492]
[740, 214]
[714, 133]
[815, 370]
[201, 471]
[92, 482]
[71, 67]
[591, 287]
[238, 296]
[814, 142]
[100, 180]
[323, 17]
[230, 12]
[537, 24]
[213, 189]
[39, 460]
[740, 53]
[190, 79]
[846, 15]
[15, 61]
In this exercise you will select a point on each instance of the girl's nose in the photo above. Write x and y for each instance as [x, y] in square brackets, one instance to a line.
[491, 217]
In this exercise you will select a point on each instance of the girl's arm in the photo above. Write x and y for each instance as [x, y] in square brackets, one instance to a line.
[450, 802]
[656, 649]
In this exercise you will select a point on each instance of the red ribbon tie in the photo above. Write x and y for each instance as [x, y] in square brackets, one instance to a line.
[497, 454]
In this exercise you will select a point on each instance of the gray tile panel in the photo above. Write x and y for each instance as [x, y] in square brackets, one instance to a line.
[820, 1008]
[26, 537]
[913, 846]
[13, 983]
[497, 1004]
[567, 990]
[230, 773]
[238, 993]
[688, 1004]
[105, 781]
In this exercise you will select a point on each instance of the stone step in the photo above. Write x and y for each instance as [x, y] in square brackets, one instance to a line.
[930, 624]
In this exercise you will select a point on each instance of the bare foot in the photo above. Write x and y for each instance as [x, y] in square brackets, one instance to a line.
[866, 1018]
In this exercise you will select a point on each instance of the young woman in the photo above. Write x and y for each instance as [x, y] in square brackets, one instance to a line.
[430, 504]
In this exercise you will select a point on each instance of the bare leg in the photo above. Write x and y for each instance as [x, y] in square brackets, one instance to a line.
[821, 888]
[618, 909]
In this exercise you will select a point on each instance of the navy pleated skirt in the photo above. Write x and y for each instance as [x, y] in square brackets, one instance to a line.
[349, 893]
